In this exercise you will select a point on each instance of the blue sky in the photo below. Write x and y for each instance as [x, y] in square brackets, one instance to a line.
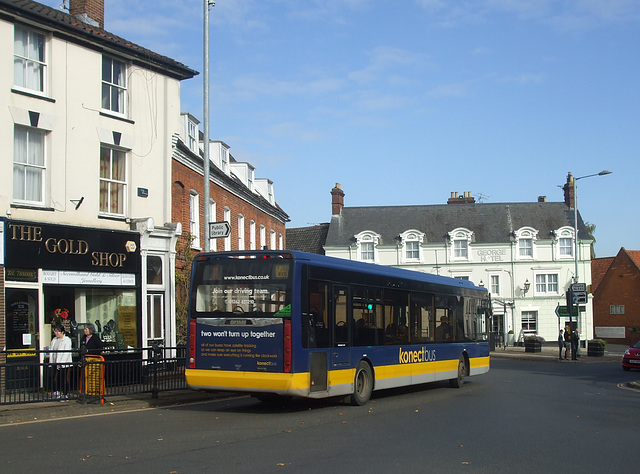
[406, 101]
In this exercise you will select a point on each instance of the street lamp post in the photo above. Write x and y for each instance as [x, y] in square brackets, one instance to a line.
[575, 222]
[575, 217]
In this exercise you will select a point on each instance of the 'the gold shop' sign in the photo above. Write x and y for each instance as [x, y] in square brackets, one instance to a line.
[37, 245]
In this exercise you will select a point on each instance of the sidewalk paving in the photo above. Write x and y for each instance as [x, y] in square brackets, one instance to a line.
[549, 352]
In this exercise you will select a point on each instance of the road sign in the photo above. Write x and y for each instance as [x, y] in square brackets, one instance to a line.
[578, 287]
[219, 230]
[561, 312]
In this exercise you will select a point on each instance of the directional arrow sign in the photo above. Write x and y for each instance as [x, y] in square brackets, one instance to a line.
[561, 311]
[219, 230]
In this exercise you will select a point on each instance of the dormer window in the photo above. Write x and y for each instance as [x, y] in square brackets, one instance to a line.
[526, 243]
[565, 243]
[460, 239]
[192, 136]
[411, 248]
[367, 243]
[224, 160]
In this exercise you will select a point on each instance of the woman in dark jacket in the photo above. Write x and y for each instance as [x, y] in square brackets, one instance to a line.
[90, 342]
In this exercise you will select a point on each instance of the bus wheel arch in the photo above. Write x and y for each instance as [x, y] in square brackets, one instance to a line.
[362, 384]
[463, 370]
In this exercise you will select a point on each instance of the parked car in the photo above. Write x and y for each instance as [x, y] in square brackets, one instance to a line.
[631, 357]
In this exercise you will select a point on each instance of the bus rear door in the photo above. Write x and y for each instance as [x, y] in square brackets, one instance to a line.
[341, 327]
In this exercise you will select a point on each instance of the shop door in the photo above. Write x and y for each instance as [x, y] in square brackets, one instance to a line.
[21, 320]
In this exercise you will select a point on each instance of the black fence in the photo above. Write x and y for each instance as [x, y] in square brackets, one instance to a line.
[27, 377]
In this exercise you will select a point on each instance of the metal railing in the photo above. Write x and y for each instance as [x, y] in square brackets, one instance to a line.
[28, 376]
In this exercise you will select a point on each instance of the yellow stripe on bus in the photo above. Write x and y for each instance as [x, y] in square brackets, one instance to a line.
[246, 381]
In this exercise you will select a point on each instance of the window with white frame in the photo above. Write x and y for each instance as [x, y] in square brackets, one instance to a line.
[494, 284]
[547, 283]
[566, 247]
[29, 167]
[114, 85]
[29, 60]
[565, 242]
[367, 242]
[272, 239]
[460, 239]
[411, 241]
[526, 242]
[263, 237]
[240, 232]
[252, 234]
[155, 316]
[525, 248]
[113, 181]
[460, 248]
[194, 219]
[529, 322]
[227, 218]
[280, 242]
[192, 132]
[367, 252]
[224, 159]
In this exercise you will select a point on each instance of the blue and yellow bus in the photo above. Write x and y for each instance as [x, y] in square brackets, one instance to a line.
[288, 323]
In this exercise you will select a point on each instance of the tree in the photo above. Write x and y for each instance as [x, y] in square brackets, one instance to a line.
[591, 229]
[184, 258]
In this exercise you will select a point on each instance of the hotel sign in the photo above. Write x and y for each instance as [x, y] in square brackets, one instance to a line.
[51, 246]
[491, 255]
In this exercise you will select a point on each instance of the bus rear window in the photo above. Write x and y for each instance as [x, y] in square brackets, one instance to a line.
[256, 287]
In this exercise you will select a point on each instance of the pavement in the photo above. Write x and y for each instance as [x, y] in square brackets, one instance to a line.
[39, 412]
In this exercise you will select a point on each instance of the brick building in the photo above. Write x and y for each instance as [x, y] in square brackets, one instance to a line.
[616, 297]
[236, 196]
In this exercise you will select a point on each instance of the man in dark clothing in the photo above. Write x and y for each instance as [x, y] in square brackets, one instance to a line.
[560, 344]
[574, 344]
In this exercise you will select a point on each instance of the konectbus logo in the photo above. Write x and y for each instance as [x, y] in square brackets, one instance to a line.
[413, 357]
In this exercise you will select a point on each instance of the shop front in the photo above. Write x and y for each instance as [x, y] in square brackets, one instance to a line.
[56, 274]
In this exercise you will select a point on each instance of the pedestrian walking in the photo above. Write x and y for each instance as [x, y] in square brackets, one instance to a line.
[560, 344]
[567, 342]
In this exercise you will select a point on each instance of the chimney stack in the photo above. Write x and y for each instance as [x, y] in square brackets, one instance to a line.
[337, 200]
[465, 198]
[542, 198]
[569, 198]
[88, 11]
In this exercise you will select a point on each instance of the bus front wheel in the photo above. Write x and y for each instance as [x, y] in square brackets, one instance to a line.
[362, 384]
[458, 382]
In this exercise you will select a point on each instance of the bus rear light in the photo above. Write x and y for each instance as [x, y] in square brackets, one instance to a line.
[287, 345]
[192, 343]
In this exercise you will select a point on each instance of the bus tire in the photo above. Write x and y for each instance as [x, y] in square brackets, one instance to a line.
[458, 382]
[362, 384]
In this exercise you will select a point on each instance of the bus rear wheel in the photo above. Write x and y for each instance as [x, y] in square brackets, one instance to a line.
[458, 382]
[362, 384]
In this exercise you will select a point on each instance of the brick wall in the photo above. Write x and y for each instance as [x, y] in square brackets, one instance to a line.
[184, 180]
[620, 286]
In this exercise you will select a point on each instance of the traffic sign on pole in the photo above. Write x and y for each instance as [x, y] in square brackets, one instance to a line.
[219, 230]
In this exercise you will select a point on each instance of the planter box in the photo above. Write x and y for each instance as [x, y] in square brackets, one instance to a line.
[532, 346]
[595, 350]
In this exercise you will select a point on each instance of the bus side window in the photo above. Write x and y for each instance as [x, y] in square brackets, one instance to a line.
[317, 317]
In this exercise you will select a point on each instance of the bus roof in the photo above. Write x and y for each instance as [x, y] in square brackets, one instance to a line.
[350, 265]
